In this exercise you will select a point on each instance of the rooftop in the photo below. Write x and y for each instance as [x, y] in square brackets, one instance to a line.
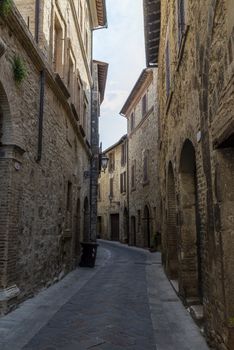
[102, 77]
[123, 138]
[146, 73]
[152, 22]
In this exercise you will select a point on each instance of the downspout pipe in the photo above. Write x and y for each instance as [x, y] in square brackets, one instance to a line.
[41, 114]
[37, 20]
[128, 187]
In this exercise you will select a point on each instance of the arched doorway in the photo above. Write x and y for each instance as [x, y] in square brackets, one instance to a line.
[125, 226]
[86, 221]
[77, 231]
[191, 279]
[172, 235]
[146, 227]
[133, 230]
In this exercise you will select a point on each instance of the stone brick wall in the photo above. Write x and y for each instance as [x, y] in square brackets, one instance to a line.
[196, 147]
[143, 197]
[76, 31]
[42, 202]
[118, 203]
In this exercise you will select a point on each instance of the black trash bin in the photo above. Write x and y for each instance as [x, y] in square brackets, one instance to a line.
[89, 253]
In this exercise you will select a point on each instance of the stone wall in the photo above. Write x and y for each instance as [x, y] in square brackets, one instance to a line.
[42, 214]
[196, 158]
[143, 197]
[118, 203]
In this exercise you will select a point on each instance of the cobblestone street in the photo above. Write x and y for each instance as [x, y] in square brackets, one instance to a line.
[126, 302]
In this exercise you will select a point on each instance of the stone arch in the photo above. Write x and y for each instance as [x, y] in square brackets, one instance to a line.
[133, 230]
[6, 132]
[147, 228]
[86, 220]
[191, 278]
[172, 262]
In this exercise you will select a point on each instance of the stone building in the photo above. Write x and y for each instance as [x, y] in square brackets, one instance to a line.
[113, 195]
[45, 146]
[99, 76]
[194, 50]
[140, 109]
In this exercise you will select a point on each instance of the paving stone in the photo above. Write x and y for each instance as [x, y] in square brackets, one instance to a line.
[119, 307]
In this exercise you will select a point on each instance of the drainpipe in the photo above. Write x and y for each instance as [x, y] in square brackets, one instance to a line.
[128, 222]
[41, 114]
[37, 20]
[95, 157]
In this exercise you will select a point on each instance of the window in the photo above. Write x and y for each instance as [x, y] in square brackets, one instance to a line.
[86, 41]
[69, 196]
[181, 20]
[138, 220]
[133, 170]
[132, 121]
[123, 182]
[85, 110]
[78, 96]
[144, 105]
[58, 47]
[123, 154]
[111, 162]
[145, 167]
[168, 73]
[70, 77]
[111, 188]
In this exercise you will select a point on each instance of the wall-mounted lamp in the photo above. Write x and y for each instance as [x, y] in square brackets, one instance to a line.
[103, 162]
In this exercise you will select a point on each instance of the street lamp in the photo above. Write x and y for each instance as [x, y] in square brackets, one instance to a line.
[103, 162]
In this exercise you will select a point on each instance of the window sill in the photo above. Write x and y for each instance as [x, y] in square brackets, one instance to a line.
[181, 47]
[145, 183]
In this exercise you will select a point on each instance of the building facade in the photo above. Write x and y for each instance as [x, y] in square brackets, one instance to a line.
[99, 76]
[193, 48]
[45, 140]
[113, 195]
[140, 109]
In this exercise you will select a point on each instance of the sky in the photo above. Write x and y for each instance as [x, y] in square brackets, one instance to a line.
[122, 46]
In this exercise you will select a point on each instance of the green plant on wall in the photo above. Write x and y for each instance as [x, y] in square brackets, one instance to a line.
[19, 69]
[5, 7]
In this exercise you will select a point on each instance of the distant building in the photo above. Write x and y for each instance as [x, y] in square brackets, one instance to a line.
[46, 88]
[113, 196]
[140, 109]
[192, 43]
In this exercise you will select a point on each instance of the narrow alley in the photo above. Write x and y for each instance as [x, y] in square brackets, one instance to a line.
[126, 302]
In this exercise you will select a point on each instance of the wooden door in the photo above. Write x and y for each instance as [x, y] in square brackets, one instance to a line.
[114, 227]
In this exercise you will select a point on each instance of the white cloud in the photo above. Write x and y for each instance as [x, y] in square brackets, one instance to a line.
[122, 46]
